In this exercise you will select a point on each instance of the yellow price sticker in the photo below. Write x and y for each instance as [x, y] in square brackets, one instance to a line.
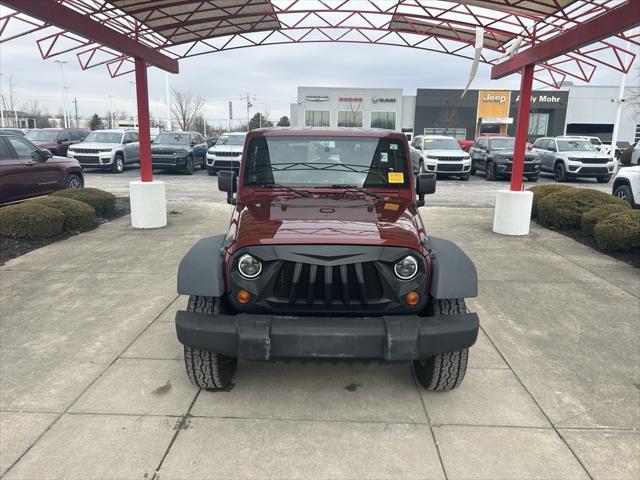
[391, 206]
[395, 177]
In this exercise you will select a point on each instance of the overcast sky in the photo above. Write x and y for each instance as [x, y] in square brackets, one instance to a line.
[271, 74]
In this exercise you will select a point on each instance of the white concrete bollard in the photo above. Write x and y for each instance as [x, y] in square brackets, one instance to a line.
[512, 214]
[148, 204]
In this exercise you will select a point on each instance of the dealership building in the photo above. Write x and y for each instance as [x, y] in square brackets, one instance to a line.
[572, 110]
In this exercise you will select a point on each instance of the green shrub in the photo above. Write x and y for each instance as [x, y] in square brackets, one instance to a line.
[563, 210]
[618, 232]
[30, 220]
[78, 216]
[593, 216]
[103, 202]
[541, 191]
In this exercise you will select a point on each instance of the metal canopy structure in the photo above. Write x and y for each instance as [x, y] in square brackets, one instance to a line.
[548, 40]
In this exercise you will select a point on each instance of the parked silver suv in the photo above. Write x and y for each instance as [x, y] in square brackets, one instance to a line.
[572, 157]
[107, 149]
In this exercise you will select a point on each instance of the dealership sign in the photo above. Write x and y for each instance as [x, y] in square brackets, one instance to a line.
[350, 99]
[383, 100]
[317, 98]
[488, 98]
[542, 98]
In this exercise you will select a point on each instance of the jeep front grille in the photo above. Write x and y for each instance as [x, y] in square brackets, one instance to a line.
[227, 154]
[355, 283]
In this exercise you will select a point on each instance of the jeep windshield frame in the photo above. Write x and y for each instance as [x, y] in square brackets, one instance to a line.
[323, 162]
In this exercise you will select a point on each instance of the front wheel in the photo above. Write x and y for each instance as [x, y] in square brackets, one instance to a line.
[73, 181]
[604, 179]
[491, 171]
[118, 164]
[444, 371]
[188, 166]
[559, 172]
[208, 370]
[623, 192]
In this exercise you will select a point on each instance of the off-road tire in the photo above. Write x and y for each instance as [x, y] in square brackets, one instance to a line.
[208, 370]
[73, 181]
[604, 179]
[188, 166]
[623, 192]
[559, 172]
[490, 171]
[118, 164]
[444, 371]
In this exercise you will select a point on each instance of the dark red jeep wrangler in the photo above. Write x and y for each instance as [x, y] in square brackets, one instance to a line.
[326, 257]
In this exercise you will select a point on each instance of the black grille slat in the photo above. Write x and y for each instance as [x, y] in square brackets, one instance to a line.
[328, 284]
[361, 286]
[344, 280]
[312, 283]
[297, 270]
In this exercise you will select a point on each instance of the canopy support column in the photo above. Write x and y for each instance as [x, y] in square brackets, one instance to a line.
[512, 215]
[148, 198]
[522, 128]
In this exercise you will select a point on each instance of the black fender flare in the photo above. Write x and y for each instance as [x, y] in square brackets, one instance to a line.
[201, 270]
[453, 274]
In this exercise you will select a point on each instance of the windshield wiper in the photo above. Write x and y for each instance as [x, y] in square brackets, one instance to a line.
[285, 187]
[359, 189]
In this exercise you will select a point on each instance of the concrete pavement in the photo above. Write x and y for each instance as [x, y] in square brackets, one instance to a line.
[92, 383]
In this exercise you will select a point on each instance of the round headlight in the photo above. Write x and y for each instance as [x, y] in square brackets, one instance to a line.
[249, 267]
[407, 268]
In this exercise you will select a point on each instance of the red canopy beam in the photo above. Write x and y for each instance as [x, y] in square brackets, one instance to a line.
[57, 14]
[620, 19]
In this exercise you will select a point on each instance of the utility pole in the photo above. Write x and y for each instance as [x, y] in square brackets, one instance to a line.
[110, 111]
[135, 104]
[230, 114]
[2, 106]
[249, 105]
[167, 99]
[64, 98]
[75, 102]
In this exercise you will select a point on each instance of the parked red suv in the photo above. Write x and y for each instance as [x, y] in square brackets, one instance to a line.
[28, 171]
[57, 140]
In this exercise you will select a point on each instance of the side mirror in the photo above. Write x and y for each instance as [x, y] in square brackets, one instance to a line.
[228, 182]
[41, 155]
[425, 185]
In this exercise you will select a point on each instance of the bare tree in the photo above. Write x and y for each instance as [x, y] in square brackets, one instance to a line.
[185, 108]
[35, 111]
[634, 89]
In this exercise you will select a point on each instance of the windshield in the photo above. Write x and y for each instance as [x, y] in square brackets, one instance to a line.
[441, 144]
[325, 161]
[42, 135]
[502, 143]
[103, 137]
[231, 140]
[575, 146]
[173, 138]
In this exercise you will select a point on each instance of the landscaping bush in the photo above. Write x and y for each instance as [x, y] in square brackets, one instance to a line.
[78, 216]
[593, 216]
[619, 231]
[103, 202]
[541, 191]
[30, 220]
[563, 210]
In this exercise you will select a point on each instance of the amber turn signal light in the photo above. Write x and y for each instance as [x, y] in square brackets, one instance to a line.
[412, 298]
[243, 296]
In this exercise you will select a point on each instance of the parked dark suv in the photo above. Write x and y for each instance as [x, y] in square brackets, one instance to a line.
[180, 151]
[28, 171]
[494, 156]
[57, 140]
[326, 257]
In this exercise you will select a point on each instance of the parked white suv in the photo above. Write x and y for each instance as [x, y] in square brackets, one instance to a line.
[626, 185]
[107, 149]
[572, 157]
[226, 153]
[440, 154]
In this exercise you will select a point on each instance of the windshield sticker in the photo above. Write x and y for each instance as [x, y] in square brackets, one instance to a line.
[393, 146]
[396, 177]
[384, 157]
[428, 141]
[391, 206]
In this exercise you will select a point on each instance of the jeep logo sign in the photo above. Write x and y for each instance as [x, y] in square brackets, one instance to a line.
[382, 100]
[494, 99]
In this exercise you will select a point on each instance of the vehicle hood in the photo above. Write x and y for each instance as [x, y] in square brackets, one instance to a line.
[446, 153]
[328, 220]
[169, 146]
[226, 148]
[44, 143]
[592, 154]
[508, 154]
[93, 145]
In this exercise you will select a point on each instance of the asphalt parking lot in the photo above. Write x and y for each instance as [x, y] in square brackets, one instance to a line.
[93, 382]
[200, 187]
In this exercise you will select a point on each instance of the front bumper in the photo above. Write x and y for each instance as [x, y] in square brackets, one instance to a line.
[530, 168]
[579, 169]
[168, 162]
[263, 337]
[92, 159]
[225, 163]
[448, 168]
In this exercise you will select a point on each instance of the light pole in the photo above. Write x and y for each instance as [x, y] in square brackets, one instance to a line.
[135, 104]
[64, 99]
[1, 103]
[110, 111]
